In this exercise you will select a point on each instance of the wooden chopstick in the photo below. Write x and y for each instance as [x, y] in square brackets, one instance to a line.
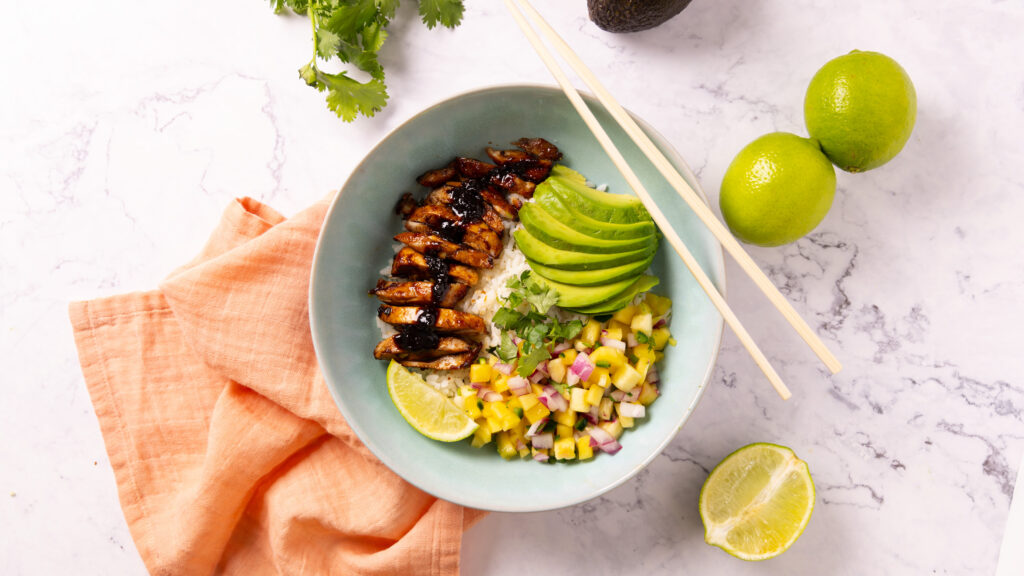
[687, 193]
[659, 218]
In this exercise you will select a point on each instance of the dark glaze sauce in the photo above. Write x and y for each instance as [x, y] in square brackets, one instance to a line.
[451, 231]
[467, 202]
[421, 335]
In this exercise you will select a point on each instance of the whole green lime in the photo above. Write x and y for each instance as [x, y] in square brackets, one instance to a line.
[861, 107]
[778, 188]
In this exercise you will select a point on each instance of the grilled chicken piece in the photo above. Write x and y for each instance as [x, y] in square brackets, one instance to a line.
[409, 263]
[441, 219]
[434, 245]
[472, 168]
[434, 178]
[539, 147]
[509, 183]
[419, 293]
[446, 320]
[450, 362]
[406, 205]
[388, 349]
[444, 196]
[507, 156]
[500, 204]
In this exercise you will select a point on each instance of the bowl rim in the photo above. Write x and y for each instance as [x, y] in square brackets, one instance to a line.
[718, 259]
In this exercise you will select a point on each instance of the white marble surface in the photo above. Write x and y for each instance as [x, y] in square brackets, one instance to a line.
[126, 127]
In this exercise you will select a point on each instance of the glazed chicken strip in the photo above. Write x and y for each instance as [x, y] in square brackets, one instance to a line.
[434, 178]
[443, 196]
[388, 349]
[406, 205]
[446, 320]
[509, 183]
[472, 168]
[500, 204]
[450, 362]
[434, 245]
[539, 147]
[409, 263]
[442, 219]
[419, 292]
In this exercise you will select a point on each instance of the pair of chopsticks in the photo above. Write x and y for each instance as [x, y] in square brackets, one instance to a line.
[679, 184]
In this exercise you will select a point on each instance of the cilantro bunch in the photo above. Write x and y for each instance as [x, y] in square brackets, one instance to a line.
[354, 31]
[525, 313]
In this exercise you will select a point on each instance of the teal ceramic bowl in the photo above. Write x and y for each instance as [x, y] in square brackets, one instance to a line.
[356, 243]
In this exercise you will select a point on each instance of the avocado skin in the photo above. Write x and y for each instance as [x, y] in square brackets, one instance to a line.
[633, 15]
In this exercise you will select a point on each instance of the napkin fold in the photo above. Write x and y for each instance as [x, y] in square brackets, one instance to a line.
[229, 453]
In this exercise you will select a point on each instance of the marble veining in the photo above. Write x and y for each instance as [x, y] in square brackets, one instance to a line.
[131, 126]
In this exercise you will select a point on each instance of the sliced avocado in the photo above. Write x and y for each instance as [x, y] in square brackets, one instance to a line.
[563, 212]
[537, 251]
[632, 15]
[552, 232]
[598, 205]
[572, 297]
[593, 277]
[642, 284]
[563, 171]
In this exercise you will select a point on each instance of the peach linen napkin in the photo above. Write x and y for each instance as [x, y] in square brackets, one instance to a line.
[229, 453]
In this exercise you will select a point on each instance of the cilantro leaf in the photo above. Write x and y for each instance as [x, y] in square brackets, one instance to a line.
[447, 12]
[347, 97]
[506, 350]
[528, 363]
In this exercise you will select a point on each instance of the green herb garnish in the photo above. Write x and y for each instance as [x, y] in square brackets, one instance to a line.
[354, 31]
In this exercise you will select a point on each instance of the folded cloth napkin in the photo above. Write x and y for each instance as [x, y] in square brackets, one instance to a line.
[229, 454]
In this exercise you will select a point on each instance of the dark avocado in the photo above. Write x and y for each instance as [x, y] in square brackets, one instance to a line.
[633, 15]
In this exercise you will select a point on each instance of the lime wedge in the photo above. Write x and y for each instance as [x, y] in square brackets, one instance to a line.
[757, 501]
[425, 408]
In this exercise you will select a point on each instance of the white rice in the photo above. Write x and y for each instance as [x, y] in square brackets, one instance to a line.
[482, 300]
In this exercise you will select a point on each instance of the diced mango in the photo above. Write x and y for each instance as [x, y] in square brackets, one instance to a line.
[605, 410]
[583, 447]
[607, 357]
[594, 395]
[556, 370]
[577, 400]
[565, 448]
[535, 451]
[597, 376]
[563, 431]
[501, 383]
[505, 446]
[472, 405]
[568, 356]
[590, 332]
[567, 418]
[536, 412]
[642, 366]
[648, 394]
[660, 337]
[659, 305]
[614, 428]
[494, 424]
[537, 389]
[644, 352]
[482, 434]
[480, 373]
[625, 315]
[626, 378]
[527, 401]
[621, 326]
[465, 391]
[613, 333]
[625, 421]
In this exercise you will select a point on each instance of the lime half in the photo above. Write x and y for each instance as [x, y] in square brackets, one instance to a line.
[425, 408]
[757, 501]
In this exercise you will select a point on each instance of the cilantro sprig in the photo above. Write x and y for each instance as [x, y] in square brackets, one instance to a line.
[524, 313]
[354, 32]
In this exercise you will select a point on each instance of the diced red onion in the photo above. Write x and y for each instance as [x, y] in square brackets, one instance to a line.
[554, 400]
[476, 385]
[631, 410]
[520, 445]
[588, 351]
[617, 344]
[542, 367]
[535, 427]
[545, 440]
[599, 436]
[571, 378]
[505, 369]
[612, 447]
[540, 457]
[652, 375]
[516, 340]
[660, 322]
[561, 348]
[594, 415]
[518, 385]
[492, 396]
[536, 377]
[617, 395]
[631, 340]
[582, 367]
[633, 395]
